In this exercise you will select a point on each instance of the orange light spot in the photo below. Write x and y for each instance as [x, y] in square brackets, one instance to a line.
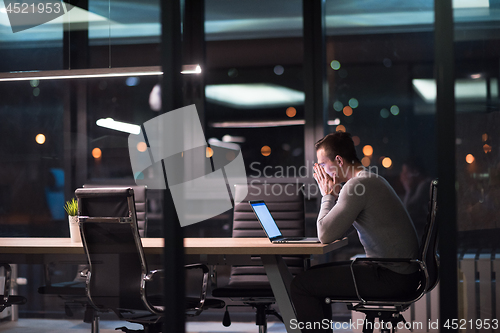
[387, 162]
[469, 158]
[266, 150]
[487, 148]
[365, 161]
[347, 111]
[485, 137]
[340, 128]
[209, 152]
[142, 147]
[96, 153]
[368, 150]
[291, 112]
[40, 139]
[356, 140]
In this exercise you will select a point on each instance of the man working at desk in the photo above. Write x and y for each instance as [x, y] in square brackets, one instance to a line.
[369, 203]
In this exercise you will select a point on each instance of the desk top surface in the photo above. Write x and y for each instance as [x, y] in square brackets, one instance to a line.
[212, 246]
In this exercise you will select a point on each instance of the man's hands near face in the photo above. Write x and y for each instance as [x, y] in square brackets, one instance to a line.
[327, 184]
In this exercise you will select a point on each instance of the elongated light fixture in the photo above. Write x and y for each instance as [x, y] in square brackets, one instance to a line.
[256, 124]
[191, 69]
[92, 73]
[118, 125]
[253, 95]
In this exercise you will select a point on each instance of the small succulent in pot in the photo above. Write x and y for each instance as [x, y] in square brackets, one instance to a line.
[71, 207]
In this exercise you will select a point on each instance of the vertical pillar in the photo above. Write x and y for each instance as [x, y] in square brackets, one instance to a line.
[315, 83]
[445, 125]
[173, 253]
[193, 43]
[75, 56]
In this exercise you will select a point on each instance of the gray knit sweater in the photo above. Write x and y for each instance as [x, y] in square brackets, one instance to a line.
[370, 204]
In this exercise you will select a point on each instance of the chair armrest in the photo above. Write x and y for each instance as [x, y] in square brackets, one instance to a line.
[150, 276]
[390, 261]
[104, 219]
[204, 286]
[200, 266]
[6, 288]
[84, 273]
[386, 261]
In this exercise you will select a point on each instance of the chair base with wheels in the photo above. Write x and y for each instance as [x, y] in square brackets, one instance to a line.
[6, 299]
[262, 310]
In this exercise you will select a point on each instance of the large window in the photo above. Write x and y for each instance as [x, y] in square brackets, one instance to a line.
[478, 160]
[374, 53]
[381, 88]
[254, 83]
[32, 177]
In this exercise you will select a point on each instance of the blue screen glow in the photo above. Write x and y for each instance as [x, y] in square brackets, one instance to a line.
[266, 219]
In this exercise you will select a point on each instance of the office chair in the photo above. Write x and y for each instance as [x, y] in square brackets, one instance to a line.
[73, 292]
[140, 196]
[249, 284]
[389, 310]
[118, 279]
[7, 300]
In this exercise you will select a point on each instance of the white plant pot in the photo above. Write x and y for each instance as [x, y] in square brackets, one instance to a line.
[74, 229]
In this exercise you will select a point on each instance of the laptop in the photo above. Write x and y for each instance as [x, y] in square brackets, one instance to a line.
[271, 228]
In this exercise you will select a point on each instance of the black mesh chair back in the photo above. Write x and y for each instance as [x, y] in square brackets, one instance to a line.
[117, 264]
[140, 198]
[285, 201]
[429, 243]
[286, 204]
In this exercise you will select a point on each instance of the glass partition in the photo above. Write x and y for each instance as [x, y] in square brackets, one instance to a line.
[254, 90]
[124, 33]
[375, 62]
[254, 85]
[381, 88]
[377, 53]
[51, 142]
[27, 47]
[477, 27]
[32, 154]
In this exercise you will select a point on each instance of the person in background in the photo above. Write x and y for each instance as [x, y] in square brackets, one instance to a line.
[416, 197]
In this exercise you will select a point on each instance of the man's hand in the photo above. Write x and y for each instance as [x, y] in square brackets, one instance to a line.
[326, 184]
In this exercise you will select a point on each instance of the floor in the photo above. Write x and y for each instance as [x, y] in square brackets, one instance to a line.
[106, 326]
[77, 326]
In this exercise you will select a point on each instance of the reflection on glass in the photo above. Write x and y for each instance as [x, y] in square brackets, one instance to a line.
[477, 156]
[375, 53]
[32, 178]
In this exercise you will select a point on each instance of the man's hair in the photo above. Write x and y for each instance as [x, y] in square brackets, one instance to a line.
[338, 143]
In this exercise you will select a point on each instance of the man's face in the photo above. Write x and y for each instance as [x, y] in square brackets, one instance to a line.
[330, 167]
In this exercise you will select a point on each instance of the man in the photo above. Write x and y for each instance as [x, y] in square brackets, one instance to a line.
[369, 203]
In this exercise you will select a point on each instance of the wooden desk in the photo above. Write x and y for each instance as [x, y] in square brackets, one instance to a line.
[196, 246]
[215, 251]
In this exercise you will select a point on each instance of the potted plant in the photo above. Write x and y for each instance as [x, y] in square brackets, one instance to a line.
[71, 207]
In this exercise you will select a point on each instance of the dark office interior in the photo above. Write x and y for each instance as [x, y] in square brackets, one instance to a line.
[276, 76]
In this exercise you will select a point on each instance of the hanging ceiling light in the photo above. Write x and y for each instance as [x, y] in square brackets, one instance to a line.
[92, 73]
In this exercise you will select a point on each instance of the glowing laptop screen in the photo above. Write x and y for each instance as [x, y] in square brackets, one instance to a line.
[266, 220]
